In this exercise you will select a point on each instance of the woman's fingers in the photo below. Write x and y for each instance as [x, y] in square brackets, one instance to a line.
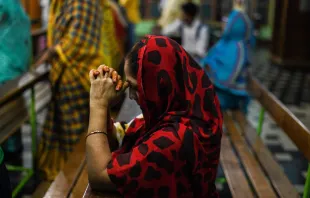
[96, 73]
[106, 68]
[126, 85]
[92, 75]
[119, 85]
[103, 69]
[107, 75]
[115, 76]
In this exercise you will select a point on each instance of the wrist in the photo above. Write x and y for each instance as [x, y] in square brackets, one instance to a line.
[98, 109]
[99, 105]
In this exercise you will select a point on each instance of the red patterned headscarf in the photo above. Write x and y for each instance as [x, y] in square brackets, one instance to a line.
[174, 151]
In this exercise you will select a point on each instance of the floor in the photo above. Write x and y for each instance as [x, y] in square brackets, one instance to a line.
[283, 83]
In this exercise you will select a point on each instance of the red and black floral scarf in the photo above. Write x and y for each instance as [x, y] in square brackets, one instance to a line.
[174, 151]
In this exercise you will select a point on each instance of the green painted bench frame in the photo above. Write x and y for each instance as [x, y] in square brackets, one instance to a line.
[18, 92]
[33, 121]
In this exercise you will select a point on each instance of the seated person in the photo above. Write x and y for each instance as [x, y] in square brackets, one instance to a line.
[5, 185]
[194, 34]
[173, 150]
[227, 62]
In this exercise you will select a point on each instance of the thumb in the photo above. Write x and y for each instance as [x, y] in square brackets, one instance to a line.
[91, 75]
[125, 86]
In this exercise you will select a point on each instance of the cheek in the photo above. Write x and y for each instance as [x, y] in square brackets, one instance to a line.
[137, 95]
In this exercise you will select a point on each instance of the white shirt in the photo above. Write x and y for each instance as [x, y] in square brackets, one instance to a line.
[45, 12]
[194, 46]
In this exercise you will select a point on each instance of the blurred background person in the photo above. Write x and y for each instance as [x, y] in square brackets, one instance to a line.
[120, 25]
[171, 10]
[228, 61]
[14, 31]
[194, 34]
[132, 8]
[80, 36]
[44, 15]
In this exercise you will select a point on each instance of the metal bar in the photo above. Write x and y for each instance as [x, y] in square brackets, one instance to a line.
[19, 91]
[22, 183]
[307, 185]
[260, 121]
[33, 121]
[17, 168]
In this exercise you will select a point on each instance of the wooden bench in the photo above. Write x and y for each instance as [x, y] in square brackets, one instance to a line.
[248, 165]
[18, 105]
[72, 181]
[15, 110]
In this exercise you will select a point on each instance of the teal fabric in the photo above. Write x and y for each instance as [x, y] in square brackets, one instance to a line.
[1, 155]
[15, 40]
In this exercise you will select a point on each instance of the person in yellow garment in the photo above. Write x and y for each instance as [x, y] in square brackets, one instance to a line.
[171, 10]
[80, 37]
[134, 17]
[5, 186]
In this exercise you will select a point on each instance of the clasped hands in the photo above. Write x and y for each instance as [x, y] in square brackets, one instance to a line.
[106, 86]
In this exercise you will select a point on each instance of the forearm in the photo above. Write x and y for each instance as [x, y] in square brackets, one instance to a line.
[98, 153]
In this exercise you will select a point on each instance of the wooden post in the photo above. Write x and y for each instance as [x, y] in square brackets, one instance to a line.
[33, 9]
[291, 41]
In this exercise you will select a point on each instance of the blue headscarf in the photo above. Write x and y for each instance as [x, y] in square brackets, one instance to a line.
[229, 58]
[15, 40]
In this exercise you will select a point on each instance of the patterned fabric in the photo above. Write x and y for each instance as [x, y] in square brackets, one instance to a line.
[112, 49]
[66, 123]
[229, 58]
[83, 33]
[174, 150]
[132, 10]
[14, 31]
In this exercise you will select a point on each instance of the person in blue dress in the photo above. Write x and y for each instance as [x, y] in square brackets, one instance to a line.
[228, 61]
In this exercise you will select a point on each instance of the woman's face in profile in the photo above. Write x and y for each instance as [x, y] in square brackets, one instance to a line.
[132, 81]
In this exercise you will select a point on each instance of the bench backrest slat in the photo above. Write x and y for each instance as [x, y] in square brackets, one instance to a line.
[279, 180]
[91, 194]
[66, 180]
[233, 171]
[256, 174]
[81, 185]
[290, 124]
